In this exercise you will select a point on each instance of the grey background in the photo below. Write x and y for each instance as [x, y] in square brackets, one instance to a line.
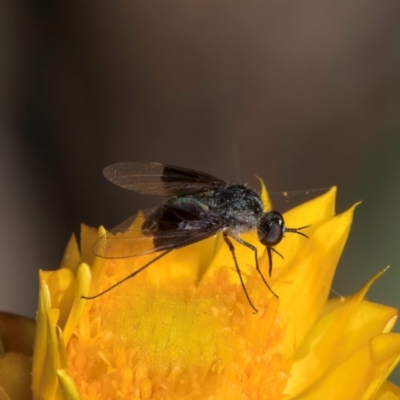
[305, 94]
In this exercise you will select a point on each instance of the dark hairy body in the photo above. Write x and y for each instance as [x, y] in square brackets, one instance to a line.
[233, 209]
[199, 206]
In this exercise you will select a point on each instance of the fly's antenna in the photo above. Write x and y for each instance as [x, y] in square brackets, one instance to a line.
[296, 230]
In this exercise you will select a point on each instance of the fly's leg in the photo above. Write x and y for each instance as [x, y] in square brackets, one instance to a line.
[269, 251]
[232, 249]
[129, 276]
[254, 249]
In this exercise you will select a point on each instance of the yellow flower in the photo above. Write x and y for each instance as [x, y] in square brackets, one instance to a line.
[183, 329]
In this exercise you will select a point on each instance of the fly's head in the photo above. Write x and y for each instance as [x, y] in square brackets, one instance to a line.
[271, 228]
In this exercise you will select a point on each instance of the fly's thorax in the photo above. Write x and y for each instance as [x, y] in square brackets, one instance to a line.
[239, 206]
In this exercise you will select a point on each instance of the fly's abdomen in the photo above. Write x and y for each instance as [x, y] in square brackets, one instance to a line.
[177, 214]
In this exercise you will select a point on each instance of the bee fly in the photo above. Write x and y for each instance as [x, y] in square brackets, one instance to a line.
[199, 206]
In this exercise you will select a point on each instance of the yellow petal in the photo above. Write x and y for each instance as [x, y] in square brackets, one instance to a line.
[337, 334]
[315, 213]
[304, 284]
[360, 375]
[62, 285]
[46, 354]
[98, 269]
[49, 380]
[72, 256]
[88, 237]
[385, 353]
[82, 285]
[312, 212]
[40, 347]
[367, 320]
[265, 196]
[67, 385]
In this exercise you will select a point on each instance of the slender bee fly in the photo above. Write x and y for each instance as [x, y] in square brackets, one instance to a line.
[199, 206]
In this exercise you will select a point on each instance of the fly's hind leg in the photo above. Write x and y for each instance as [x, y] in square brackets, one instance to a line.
[232, 249]
[251, 247]
[127, 277]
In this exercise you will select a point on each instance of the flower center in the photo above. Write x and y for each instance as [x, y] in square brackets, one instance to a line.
[180, 340]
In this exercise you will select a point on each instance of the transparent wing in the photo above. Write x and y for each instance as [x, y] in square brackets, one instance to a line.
[160, 179]
[169, 226]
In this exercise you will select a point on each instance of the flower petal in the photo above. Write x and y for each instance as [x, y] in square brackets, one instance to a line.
[303, 298]
[88, 236]
[82, 286]
[61, 283]
[72, 255]
[52, 361]
[385, 350]
[338, 333]
[40, 348]
[266, 200]
[68, 386]
[46, 354]
[368, 319]
[360, 375]
[313, 212]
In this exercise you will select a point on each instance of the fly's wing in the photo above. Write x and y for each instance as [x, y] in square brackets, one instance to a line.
[160, 179]
[173, 225]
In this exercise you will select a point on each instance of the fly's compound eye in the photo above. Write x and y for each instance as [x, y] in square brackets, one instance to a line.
[271, 228]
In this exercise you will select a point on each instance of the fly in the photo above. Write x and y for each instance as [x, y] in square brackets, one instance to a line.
[198, 206]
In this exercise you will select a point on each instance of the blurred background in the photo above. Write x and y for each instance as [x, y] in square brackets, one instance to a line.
[305, 94]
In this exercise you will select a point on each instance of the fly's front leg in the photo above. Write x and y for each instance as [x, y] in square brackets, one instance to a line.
[251, 247]
[232, 249]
